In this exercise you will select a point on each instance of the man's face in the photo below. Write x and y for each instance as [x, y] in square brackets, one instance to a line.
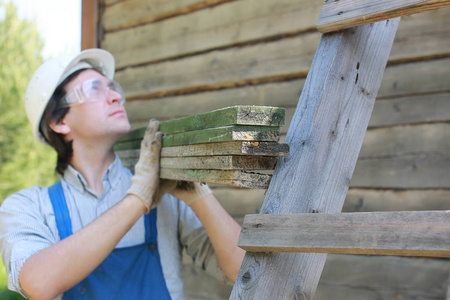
[104, 120]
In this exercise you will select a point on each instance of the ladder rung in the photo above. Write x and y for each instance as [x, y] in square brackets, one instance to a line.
[338, 15]
[407, 233]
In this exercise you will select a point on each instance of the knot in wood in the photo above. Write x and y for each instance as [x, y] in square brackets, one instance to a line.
[246, 277]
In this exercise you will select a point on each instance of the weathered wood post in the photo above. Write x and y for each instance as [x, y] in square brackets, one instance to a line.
[325, 136]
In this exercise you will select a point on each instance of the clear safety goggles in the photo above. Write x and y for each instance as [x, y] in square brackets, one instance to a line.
[91, 90]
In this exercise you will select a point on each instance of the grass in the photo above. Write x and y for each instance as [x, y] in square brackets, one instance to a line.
[6, 294]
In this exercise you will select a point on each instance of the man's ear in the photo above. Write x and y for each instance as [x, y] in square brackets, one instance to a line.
[60, 127]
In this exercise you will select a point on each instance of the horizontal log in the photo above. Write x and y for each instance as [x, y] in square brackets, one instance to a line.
[228, 148]
[404, 141]
[137, 12]
[233, 178]
[424, 233]
[425, 81]
[423, 78]
[411, 110]
[367, 200]
[415, 171]
[112, 2]
[220, 163]
[240, 202]
[356, 277]
[423, 37]
[283, 94]
[343, 14]
[416, 111]
[347, 277]
[203, 30]
[257, 63]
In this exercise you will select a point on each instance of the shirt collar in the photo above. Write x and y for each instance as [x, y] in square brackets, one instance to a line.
[112, 175]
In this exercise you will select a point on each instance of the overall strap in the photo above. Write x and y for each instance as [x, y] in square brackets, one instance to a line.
[60, 209]
[150, 229]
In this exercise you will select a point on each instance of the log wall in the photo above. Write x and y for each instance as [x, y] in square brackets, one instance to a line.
[184, 57]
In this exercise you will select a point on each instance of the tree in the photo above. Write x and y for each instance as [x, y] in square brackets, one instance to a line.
[23, 161]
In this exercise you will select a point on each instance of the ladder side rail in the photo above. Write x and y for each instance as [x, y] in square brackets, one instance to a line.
[325, 137]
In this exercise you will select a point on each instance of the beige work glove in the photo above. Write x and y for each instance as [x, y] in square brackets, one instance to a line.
[190, 192]
[145, 182]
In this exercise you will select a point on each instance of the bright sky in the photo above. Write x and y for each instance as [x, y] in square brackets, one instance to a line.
[58, 22]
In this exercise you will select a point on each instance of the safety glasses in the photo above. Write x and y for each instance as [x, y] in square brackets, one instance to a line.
[91, 90]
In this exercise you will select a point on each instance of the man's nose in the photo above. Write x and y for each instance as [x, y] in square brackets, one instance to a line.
[113, 96]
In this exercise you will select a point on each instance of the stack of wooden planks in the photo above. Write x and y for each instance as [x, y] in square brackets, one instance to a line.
[223, 146]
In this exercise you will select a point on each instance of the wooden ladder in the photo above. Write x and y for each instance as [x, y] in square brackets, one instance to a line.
[300, 218]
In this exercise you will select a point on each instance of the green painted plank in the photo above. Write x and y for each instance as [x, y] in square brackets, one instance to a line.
[220, 162]
[127, 145]
[133, 135]
[234, 178]
[223, 134]
[234, 115]
[255, 148]
[211, 135]
[228, 148]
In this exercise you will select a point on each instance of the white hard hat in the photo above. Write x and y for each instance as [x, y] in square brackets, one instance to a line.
[51, 73]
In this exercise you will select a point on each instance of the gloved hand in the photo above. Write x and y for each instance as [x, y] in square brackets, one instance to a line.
[145, 182]
[190, 192]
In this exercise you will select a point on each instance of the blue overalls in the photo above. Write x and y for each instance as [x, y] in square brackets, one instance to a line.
[127, 273]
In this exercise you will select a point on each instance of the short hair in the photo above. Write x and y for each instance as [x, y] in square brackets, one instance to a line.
[52, 114]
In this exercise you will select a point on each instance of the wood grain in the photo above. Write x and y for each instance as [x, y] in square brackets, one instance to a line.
[209, 135]
[234, 115]
[220, 163]
[420, 37]
[343, 14]
[228, 148]
[420, 171]
[220, 26]
[368, 200]
[412, 233]
[425, 79]
[222, 134]
[356, 277]
[411, 110]
[233, 178]
[325, 137]
[347, 277]
[138, 12]
[228, 68]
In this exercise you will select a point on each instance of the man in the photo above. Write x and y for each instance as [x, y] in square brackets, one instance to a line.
[91, 236]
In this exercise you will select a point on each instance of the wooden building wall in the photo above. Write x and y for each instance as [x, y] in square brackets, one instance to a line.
[182, 57]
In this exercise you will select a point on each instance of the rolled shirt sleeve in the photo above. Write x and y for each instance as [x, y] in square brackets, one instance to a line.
[23, 231]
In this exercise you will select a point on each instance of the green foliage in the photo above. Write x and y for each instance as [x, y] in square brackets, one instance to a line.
[23, 161]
